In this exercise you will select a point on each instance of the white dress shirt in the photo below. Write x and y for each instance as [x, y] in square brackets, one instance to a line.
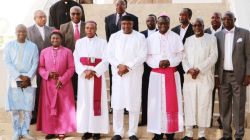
[150, 32]
[213, 31]
[183, 31]
[228, 49]
[117, 17]
[41, 30]
[79, 26]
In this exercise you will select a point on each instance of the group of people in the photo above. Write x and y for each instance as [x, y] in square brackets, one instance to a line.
[154, 71]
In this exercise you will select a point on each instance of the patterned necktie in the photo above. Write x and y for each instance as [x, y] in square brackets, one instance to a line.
[77, 33]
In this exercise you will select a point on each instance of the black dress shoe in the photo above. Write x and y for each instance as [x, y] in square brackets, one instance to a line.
[238, 138]
[202, 138]
[133, 137]
[158, 137]
[220, 123]
[223, 138]
[86, 136]
[187, 138]
[50, 136]
[116, 137]
[96, 136]
[33, 121]
[170, 136]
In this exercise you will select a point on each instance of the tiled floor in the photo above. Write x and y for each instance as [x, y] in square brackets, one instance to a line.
[6, 131]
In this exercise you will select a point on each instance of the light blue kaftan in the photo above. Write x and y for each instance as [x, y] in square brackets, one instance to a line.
[20, 59]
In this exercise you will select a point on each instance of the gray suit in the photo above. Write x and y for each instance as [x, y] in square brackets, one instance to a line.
[232, 89]
[35, 36]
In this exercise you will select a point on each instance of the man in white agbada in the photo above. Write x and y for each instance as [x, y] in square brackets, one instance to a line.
[200, 56]
[126, 53]
[165, 51]
[92, 107]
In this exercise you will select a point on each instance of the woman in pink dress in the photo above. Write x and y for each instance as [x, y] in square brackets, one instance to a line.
[56, 113]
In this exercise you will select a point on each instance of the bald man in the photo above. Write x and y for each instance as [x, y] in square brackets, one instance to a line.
[21, 60]
[200, 56]
[72, 31]
[39, 34]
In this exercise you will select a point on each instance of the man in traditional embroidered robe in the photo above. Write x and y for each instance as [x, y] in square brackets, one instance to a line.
[126, 53]
[21, 59]
[200, 56]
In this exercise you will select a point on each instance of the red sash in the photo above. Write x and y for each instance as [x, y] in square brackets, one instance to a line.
[97, 85]
[171, 98]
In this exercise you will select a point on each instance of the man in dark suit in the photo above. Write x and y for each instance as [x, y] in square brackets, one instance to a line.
[216, 26]
[72, 31]
[39, 33]
[185, 30]
[233, 75]
[113, 24]
[151, 24]
[59, 13]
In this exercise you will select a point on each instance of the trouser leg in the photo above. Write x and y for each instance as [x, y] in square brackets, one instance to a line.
[26, 122]
[189, 131]
[16, 125]
[201, 132]
[118, 116]
[133, 123]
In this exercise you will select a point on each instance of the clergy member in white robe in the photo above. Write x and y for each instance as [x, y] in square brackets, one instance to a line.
[200, 56]
[126, 53]
[165, 50]
[92, 106]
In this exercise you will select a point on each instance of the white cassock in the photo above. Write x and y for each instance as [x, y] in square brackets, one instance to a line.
[130, 50]
[86, 121]
[199, 53]
[163, 47]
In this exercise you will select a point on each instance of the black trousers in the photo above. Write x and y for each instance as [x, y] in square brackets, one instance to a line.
[144, 103]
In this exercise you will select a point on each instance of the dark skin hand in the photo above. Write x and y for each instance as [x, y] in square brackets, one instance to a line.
[25, 81]
[217, 82]
[246, 81]
[122, 69]
[193, 72]
[58, 84]
[164, 64]
[89, 74]
[53, 75]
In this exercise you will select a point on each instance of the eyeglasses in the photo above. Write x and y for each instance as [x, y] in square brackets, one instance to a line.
[75, 14]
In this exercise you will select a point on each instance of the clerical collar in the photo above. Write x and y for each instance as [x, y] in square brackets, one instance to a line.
[55, 48]
[165, 34]
[90, 39]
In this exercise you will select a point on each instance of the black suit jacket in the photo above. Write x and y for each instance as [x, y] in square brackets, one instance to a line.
[189, 32]
[145, 32]
[111, 27]
[208, 30]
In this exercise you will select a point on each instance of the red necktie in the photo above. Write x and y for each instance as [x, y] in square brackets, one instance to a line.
[77, 33]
